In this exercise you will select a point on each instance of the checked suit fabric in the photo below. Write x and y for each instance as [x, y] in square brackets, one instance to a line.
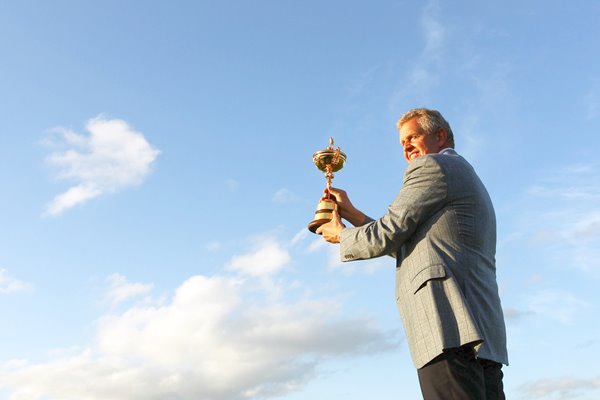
[441, 228]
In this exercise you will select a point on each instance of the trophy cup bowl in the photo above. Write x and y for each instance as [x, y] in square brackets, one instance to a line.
[328, 161]
[322, 158]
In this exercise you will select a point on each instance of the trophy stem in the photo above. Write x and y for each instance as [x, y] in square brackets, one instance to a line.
[329, 176]
[329, 167]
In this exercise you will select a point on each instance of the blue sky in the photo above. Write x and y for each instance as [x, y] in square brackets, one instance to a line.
[157, 179]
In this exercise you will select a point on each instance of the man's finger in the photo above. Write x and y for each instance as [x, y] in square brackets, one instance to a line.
[335, 216]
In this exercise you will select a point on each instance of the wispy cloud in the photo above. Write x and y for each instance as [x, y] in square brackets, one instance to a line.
[591, 100]
[424, 73]
[433, 30]
[111, 158]
[569, 223]
[317, 243]
[219, 337]
[557, 304]
[284, 195]
[571, 182]
[300, 236]
[588, 344]
[120, 290]
[452, 55]
[214, 246]
[8, 284]
[232, 185]
[331, 253]
[514, 314]
[560, 388]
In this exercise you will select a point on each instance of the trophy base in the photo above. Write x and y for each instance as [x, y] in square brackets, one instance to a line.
[323, 215]
[315, 224]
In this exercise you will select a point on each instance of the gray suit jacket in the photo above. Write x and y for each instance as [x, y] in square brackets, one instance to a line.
[441, 228]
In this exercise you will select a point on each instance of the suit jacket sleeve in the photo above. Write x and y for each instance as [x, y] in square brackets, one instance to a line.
[423, 193]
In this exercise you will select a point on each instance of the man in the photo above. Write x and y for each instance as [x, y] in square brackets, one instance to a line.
[441, 228]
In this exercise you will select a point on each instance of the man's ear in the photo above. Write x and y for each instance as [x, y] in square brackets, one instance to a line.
[442, 137]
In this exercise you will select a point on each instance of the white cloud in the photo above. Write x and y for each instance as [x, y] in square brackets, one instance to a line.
[113, 157]
[73, 196]
[267, 258]
[120, 290]
[8, 284]
[560, 388]
[218, 338]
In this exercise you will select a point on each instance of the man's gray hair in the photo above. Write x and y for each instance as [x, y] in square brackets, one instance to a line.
[430, 121]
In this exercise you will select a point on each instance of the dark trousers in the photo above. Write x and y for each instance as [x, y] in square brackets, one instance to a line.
[458, 375]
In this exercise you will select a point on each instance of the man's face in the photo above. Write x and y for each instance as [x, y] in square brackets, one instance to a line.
[416, 142]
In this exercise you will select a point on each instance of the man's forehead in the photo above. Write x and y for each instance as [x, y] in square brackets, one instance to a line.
[410, 127]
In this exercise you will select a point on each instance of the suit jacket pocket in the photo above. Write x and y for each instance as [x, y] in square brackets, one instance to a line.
[435, 271]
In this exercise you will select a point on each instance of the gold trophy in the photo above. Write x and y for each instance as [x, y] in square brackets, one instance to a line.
[329, 161]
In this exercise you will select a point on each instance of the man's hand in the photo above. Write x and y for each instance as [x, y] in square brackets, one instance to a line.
[346, 208]
[331, 230]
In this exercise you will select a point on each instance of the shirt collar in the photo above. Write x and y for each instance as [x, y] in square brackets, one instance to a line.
[448, 151]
